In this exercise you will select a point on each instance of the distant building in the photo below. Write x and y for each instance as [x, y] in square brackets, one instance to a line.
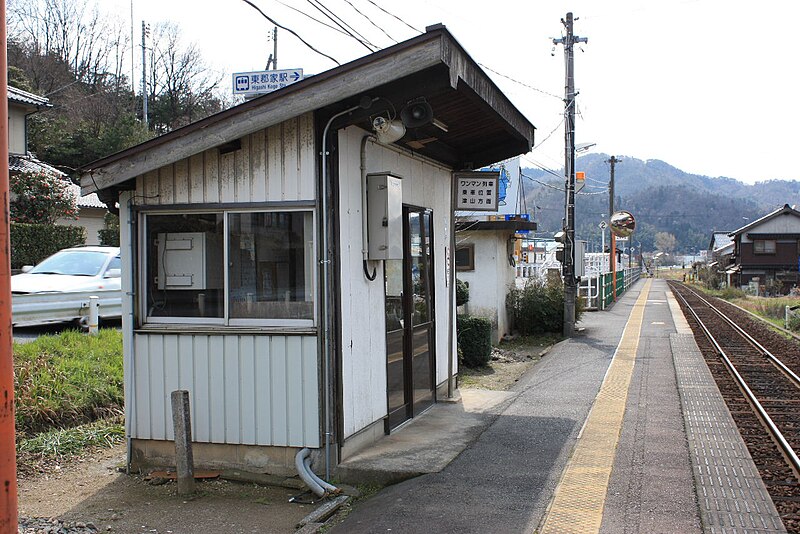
[766, 251]
[485, 261]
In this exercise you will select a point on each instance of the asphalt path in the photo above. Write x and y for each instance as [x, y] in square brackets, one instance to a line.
[504, 481]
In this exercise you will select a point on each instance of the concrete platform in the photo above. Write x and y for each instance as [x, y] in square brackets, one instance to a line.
[495, 463]
[427, 443]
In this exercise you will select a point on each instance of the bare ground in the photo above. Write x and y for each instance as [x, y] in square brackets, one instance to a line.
[93, 490]
[507, 364]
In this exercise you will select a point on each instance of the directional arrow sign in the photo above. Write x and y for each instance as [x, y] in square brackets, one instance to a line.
[264, 81]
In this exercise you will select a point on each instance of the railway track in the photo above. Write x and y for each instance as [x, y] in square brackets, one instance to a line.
[757, 372]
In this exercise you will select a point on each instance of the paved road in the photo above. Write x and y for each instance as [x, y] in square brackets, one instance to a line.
[503, 482]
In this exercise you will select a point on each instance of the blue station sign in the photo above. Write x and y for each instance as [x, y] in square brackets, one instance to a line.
[265, 81]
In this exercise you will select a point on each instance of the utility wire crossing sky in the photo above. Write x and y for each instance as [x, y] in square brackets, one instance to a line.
[704, 85]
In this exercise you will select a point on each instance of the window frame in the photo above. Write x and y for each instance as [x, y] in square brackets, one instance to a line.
[763, 242]
[471, 264]
[224, 322]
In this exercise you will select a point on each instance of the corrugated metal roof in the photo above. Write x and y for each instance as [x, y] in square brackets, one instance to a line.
[24, 97]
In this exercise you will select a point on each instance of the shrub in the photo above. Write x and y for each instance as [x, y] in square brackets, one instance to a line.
[462, 292]
[41, 198]
[731, 293]
[539, 306]
[474, 339]
[31, 243]
[109, 236]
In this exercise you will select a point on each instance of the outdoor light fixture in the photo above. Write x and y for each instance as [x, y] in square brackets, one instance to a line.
[388, 131]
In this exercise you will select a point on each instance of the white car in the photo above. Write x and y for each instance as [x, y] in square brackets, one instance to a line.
[58, 288]
[71, 269]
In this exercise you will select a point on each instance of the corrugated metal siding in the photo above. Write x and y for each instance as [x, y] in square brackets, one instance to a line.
[363, 324]
[244, 389]
[275, 164]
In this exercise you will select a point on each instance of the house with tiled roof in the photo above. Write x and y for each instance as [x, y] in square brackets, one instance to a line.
[22, 104]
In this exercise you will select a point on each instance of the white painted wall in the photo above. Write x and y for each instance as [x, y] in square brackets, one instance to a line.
[363, 324]
[245, 388]
[274, 164]
[490, 281]
[16, 129]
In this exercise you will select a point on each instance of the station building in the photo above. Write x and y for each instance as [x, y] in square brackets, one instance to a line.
[289, 261]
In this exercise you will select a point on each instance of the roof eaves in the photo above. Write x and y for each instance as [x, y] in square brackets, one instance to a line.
[780, 211]
[435, 47]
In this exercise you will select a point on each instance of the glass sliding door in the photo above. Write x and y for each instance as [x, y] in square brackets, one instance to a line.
[410, 325]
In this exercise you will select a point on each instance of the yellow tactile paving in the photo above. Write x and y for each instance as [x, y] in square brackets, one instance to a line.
[577, 505]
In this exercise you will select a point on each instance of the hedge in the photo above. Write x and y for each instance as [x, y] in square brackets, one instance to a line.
[31, 243]
[538, 307]
[474, 339]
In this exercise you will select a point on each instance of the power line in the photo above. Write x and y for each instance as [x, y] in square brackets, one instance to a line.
[251, 4]
[371, 21]
[395, 16]
[322, 22]
[519, 82]
[319, 6]
[542, 183]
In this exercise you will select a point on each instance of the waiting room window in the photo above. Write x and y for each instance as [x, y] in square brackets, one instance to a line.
[269, 274]
[764, 246]
[465, 257]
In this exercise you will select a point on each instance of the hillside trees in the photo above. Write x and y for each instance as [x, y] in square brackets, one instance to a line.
[77, 57]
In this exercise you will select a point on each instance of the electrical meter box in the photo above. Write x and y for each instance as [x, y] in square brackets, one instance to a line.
[189, 261]
[580, 258]
[384, 216]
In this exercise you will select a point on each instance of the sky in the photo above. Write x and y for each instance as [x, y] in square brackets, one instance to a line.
[708, 86]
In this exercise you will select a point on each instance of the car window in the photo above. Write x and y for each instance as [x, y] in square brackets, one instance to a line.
[115, 263]
[72, 262]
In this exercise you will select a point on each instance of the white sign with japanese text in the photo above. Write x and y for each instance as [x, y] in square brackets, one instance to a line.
[266, 81]
[477, 191]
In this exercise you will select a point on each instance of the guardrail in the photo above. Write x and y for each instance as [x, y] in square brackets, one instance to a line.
[598, 290]
[33, 308]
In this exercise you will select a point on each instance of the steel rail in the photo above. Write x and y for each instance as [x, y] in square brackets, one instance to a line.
[750, 339]
[766, 420]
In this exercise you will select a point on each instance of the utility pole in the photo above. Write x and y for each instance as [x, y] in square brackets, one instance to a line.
[568, 267]
[273, 57]
[612, 253]
[144, 75]
[8, 453]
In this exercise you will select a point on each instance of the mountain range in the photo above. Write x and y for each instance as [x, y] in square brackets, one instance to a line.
[661, 197]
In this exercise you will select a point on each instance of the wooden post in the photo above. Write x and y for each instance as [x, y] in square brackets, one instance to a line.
[181, 422]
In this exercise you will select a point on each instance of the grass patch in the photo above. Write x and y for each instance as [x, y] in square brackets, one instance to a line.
[63, 442]
[67, 379]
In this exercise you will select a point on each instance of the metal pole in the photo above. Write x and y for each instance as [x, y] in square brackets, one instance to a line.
[568, 268]
[144, 75]
[613, 246]
[94, 315]
[8, 453]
